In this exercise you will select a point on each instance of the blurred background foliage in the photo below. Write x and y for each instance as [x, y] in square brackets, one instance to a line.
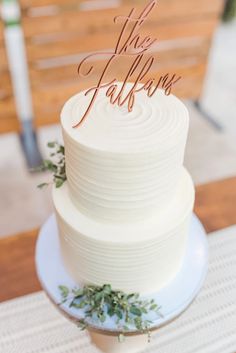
[230, 10]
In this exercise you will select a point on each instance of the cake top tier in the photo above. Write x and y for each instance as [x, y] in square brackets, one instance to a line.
[155, 123]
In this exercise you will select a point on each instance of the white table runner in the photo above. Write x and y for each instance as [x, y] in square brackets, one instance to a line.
[31, 324]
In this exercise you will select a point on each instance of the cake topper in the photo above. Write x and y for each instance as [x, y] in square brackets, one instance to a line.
[131, 44]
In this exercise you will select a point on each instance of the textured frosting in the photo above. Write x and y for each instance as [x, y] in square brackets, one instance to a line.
[123, 167]
[140, 257]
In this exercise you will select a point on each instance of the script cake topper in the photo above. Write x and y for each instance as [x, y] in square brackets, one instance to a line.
[131, 44]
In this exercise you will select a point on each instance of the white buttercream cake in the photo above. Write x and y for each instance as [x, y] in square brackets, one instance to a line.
[123, 214]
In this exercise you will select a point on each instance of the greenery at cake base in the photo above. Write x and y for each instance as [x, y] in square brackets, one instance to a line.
[56, 164]
[100, 302]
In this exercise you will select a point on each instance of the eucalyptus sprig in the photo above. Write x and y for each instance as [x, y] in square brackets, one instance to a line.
[56, 164]
[100, 302]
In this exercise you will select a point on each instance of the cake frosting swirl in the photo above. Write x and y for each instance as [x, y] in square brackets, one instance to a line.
[122, 166]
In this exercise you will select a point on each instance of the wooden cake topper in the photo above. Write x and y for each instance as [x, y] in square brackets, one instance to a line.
[131, 44]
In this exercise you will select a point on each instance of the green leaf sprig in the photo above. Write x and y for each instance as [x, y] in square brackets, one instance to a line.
[100, 302]
[56, 164]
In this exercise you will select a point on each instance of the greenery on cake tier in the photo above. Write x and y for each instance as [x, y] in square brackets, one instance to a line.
[101, 302]
[56, 164]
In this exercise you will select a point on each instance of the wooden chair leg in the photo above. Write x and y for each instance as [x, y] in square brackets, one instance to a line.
[207, 116]
[29, 143]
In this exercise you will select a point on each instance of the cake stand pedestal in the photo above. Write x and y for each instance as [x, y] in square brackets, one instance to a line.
[174, 298]
[110, 344]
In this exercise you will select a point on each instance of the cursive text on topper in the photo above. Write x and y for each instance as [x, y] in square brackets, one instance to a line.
[131, 44]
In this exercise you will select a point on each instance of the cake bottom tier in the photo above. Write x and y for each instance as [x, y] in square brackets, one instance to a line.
[135, 257]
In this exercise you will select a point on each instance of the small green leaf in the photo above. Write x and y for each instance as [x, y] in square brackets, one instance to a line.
[130, 296]
[110, 311]
[78, 305]
[47, 163]
[78, 293]
[135, 310]
[64, 291]
[61, 150]
[51, 144]
[107, 288]
[102, 318]
[98, 296]
[153, 307]
[59, 182]
[119, 314]
[42, 185]
[88, 313]
[82, 325]
[138, 323]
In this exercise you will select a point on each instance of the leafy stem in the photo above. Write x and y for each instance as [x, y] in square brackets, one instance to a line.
[101, 302]
[56, 164]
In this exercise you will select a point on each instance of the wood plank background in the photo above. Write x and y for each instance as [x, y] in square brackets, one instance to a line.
[58, 39]
[8, 118]
[59, 33]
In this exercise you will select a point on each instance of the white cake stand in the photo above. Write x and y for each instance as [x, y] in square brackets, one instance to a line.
[174, 298]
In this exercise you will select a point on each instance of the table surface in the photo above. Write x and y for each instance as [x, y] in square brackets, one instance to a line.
[215, 206]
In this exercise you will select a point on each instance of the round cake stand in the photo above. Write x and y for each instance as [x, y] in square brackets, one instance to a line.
[174, 298]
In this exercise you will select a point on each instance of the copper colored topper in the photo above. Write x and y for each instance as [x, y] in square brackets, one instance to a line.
[131, 44]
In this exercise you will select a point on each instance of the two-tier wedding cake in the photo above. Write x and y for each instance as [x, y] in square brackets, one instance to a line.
[124, 212]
